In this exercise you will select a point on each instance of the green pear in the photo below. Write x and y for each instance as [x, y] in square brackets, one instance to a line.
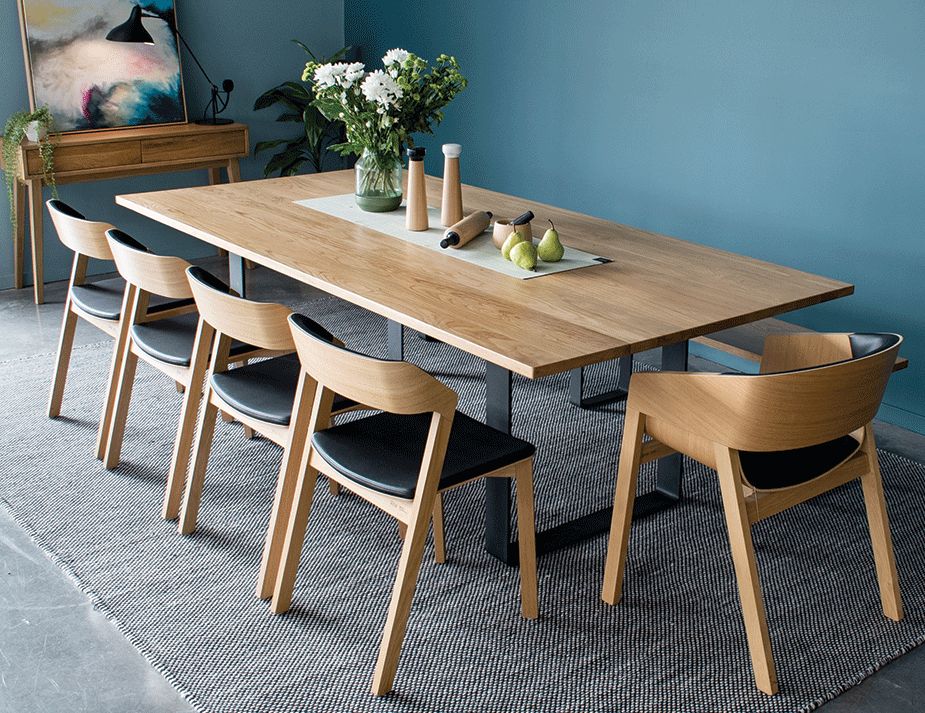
[523, 254]
[550, 249]
[512, 240]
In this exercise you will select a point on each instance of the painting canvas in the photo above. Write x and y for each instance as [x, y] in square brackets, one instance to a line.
[88, 82]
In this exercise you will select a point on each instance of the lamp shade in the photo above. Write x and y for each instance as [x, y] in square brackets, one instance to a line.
[132, 30]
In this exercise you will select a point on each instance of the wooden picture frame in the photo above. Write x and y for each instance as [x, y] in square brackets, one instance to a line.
[91, 84]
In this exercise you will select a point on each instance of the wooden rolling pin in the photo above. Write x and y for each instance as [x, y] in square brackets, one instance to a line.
[465, 230]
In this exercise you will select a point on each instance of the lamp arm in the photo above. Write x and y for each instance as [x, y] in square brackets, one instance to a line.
[189, 49]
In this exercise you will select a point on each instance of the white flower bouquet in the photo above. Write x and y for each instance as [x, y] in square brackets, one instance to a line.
[382, 108]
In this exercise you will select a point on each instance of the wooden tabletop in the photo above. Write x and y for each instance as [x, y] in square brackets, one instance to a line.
[658, 290]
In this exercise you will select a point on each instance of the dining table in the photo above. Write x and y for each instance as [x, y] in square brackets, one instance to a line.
[648, 291]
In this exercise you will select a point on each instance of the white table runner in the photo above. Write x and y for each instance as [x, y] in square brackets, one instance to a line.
[479, 251]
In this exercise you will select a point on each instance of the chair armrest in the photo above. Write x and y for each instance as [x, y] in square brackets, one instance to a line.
[700, 404]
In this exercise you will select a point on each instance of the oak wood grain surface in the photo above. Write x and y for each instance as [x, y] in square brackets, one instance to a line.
[658, 290]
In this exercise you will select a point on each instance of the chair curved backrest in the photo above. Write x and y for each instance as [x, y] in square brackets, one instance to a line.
[785, 410]
[86, 237]
[395, 386]
[163, 275]
[262, 324]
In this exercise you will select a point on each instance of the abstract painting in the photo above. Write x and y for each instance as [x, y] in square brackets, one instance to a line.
[88, 82]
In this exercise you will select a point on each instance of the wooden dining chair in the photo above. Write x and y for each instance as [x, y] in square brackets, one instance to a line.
[398, 460]
[799, 428]
[172, 344]
[99, 302]
[259, 395]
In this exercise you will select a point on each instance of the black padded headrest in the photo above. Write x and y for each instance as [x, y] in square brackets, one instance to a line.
[64, 208]
[208, 279]
[866, 343]
[311, 327]
[127, 240]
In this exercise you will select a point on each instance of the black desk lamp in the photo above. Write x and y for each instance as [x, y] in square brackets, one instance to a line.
[132, 30]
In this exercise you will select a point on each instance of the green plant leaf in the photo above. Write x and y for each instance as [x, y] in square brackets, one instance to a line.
[264, 145]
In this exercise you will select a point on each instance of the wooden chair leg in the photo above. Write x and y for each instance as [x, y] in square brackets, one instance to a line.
[126, 382]
[282, 511]
[295, 537]
[294, 490]
[439, 534]
[402, 595]
[746, 568]
[186, 430]
[196, 477]
[189, 415]
[880, 538]
[65, 342]
[333, 487]
[526, 539]
[623, 500]
[402, 529]
[115, 373]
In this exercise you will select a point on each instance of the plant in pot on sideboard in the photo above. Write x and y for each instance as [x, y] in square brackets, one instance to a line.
[316, 132]
[34, 126]
[381, 109]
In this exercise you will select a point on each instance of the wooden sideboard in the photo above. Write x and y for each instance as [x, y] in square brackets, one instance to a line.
[119, 153]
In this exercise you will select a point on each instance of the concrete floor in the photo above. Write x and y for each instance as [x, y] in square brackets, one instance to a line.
[57, 653]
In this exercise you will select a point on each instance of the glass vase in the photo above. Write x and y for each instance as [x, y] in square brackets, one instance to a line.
[378, 182]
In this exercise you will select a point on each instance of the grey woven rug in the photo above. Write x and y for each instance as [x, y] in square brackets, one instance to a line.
[676, 643]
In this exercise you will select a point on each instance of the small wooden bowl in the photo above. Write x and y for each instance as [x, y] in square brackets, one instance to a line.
[503, 228]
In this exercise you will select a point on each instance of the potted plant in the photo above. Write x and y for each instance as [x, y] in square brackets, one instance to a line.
[34, 126]
[380, 110]
[316, 132]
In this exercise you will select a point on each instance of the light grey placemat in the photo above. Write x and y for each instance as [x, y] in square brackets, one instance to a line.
[479, 252]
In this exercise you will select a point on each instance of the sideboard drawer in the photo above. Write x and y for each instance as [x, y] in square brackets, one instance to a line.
[226, 143]
[87, 157]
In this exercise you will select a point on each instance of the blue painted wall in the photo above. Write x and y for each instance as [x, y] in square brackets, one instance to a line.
[788, 130]
[246, 41]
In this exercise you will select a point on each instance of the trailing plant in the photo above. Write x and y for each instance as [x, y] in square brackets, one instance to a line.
[13, 134]
[317, 133]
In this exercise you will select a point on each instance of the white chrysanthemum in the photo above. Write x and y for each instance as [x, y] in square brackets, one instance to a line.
[325, 76]
[379, 87]
[353, 72]
[394, 56]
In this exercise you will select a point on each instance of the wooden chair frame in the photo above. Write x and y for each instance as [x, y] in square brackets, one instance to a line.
[88, 240]
[146, 274]
[265, 325]
[714, 417]
[401, 388]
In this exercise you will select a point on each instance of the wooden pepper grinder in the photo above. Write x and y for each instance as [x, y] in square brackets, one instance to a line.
[451, 211]
[416, 211]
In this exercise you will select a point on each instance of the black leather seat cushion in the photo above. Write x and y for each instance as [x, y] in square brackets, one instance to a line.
[170, 340]
[782, 469]
[103, 299]
[384, 452]
[265, 389]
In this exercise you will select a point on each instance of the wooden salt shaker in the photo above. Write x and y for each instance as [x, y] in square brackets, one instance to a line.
[416, 210]
[451, 210]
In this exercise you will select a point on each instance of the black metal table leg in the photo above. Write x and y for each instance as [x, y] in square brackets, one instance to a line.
[576, 386]
[498, 534]
[498, 540]
[396, 340]
[236, 278]
[668, 479]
